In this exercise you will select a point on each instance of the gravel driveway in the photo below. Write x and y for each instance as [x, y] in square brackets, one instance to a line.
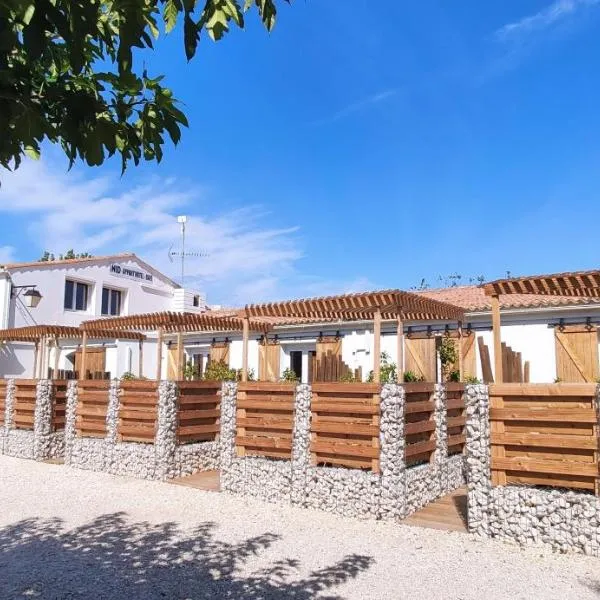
[76, 534]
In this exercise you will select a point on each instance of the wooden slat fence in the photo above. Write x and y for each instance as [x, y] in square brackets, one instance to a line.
[2, 400]
[265, 419]
[92, 404]
[345, 425]
[59, 405]
[456, 417]
[198, 411]
[138, 411]
[330, 367]
[419, 427]
[545, 434]
[24, 408]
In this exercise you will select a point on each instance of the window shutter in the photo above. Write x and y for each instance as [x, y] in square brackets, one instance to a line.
[269, 356]
[576, 353]
[331, 344]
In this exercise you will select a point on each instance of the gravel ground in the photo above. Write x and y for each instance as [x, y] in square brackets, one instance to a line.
[66, 533]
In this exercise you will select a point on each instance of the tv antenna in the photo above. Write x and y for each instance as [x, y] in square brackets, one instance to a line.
[182, 220]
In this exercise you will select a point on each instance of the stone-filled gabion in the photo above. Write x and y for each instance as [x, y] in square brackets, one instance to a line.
[301, 444]
[393, 444]
[478, 457]
[567, 521]
[160, 460]
[346, 492]
[166, 428]
[37, 444]
[112, 411]
[230, 475]
[70, 419]
[9, 406]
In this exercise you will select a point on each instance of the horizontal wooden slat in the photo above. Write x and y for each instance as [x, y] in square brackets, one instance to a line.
[343, 461]
[198, 414]
[455, 404]
[263, 442]
[192, 429]
[331, 407]
[456, 440]
[542, 389]
[557, 414]
[345, 428]
[265, 405]
[419, 427]
[419, 448]
[344, 449]
[417, 407]
[567, 481]
[346, 388]
[544, 441]
[538, 466]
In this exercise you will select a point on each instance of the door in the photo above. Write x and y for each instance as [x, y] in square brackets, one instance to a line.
[172, 362]
[296, 363]
[219, 352]
[576, 353]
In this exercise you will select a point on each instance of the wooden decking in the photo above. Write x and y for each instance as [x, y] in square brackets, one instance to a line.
[448, 513]
[209, 481]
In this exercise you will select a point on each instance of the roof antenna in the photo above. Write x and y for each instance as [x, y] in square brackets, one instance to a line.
[182, 220]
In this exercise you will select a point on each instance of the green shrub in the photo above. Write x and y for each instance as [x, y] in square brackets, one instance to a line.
[219, 371]
[412, 377]
[348, 377]
[128, 376]
[454, 375]
[471, 379]
[289, 375]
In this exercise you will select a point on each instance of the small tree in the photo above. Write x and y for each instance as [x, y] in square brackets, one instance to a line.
[387, 370]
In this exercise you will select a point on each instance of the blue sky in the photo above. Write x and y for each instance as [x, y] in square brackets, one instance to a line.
[360, 145]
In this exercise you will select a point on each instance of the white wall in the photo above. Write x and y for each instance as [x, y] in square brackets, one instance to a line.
[139, 296]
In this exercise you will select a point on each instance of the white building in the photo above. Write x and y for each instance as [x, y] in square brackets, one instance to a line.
[75, 290]
[552, 337]
[556, 336]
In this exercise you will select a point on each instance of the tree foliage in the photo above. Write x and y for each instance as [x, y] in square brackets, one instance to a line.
[69, 254]
[70, 73]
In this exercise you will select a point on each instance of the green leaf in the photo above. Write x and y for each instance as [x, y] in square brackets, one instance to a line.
[191, 36]
[32, 152]
[170, 14]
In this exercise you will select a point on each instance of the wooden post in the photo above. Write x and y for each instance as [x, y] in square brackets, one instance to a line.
[245, 332]
[36, 351]
[400, 352]
[498, 374]
[460, 352]
[159, 349]
[43, 357]
[377, 346]
[83, 350]
[180, 366]
[140, 358]
[56, 356]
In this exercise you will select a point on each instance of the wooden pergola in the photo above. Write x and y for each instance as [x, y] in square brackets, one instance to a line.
[390, 305]
[180, 323]
[41, 335]
[578, 284]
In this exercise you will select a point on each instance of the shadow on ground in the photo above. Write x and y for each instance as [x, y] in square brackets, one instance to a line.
[111, 558]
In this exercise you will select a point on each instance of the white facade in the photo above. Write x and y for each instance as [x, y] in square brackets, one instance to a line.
[137, 286]
[529, 331]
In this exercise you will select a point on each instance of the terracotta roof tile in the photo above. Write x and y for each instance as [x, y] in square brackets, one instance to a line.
[473, 298]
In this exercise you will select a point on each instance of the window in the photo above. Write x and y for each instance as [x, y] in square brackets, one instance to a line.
[76, 295]
[111, 302]
[196, 301]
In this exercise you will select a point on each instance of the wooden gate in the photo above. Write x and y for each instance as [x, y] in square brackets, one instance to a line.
[95, 363]
[421, 357]
[576, 353]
